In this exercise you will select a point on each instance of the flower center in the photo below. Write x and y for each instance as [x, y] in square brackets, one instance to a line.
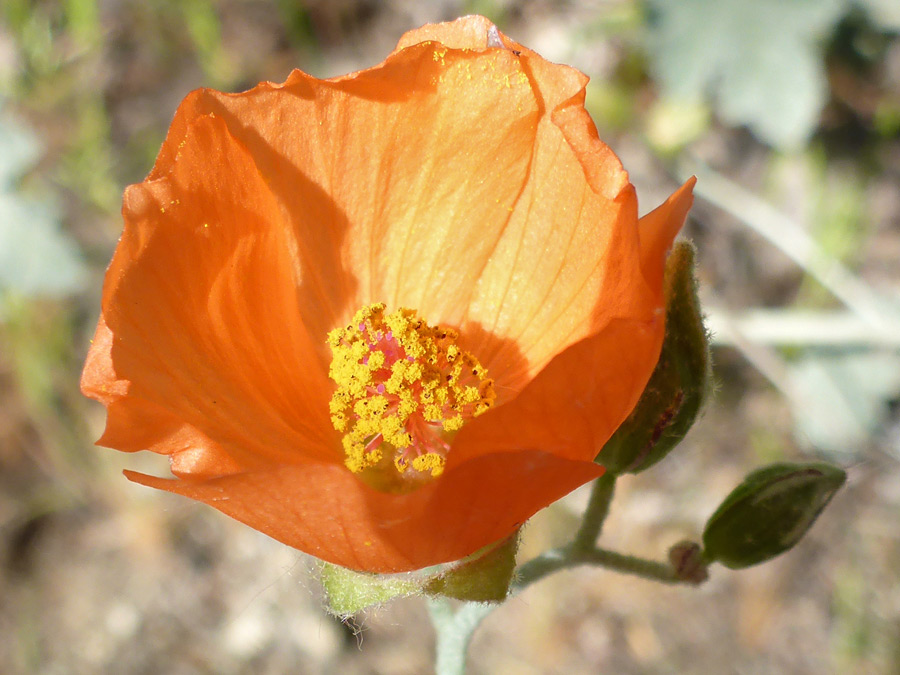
[403, 388]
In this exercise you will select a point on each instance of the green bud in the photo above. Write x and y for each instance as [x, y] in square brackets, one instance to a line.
[679, 383]
[485, 578]
[348, 592]
[769, 512]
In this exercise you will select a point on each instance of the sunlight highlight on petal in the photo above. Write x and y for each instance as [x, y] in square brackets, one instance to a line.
[385, 317]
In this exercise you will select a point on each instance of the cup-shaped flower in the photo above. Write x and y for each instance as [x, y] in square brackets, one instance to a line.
[384, 318]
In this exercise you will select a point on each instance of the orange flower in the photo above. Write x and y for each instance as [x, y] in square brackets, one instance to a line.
[461, 185]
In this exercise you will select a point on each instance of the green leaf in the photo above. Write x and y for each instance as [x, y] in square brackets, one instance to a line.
[884, 13]
[769, 512]
[839, 400]
[348, 592]
[760, 62]
[36, 257]
[679, 383]
[21, 149]
[672, 124]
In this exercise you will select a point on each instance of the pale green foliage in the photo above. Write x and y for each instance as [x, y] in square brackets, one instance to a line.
[840, 399]
[760, 62]
[884, 13]
[36, 258]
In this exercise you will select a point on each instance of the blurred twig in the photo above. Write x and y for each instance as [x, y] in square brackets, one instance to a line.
[797, 244]
[764, 357]
[797, 328]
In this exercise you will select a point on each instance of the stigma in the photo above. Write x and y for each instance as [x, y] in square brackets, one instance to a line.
[403, 389]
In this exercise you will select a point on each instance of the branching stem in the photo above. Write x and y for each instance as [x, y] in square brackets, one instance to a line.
[455, 628]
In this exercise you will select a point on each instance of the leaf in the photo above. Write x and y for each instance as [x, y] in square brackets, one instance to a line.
[21, 150]
[760, 62]
[839, 400]
[884, 13]
[36, 257]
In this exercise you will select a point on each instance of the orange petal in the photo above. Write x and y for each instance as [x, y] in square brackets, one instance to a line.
[448, 170]
[565, 265]
[464, 180]
[397, 180]
[134, 424]
[658, 229]
[468, 32]
[573, 406]
[205, 348]
[324, 510]
[565, 262]
[559, 89]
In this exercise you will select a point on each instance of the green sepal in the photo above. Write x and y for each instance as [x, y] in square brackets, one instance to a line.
[485, 578]
[679, 383]
[769, 512]
[348, 592]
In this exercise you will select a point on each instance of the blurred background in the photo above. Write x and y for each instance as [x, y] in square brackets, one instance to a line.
[789, 114]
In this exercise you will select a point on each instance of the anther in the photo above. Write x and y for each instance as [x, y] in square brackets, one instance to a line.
[403, 389]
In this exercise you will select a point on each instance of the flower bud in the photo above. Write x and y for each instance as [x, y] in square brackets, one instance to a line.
[679, 383]
[686, 558]
[769, 512]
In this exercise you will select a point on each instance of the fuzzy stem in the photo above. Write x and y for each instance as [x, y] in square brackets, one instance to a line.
[454, 632]
[564, 558]
[595, 513]
[454, 629]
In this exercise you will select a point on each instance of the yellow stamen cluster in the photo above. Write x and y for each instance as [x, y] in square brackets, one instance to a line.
[402, 384]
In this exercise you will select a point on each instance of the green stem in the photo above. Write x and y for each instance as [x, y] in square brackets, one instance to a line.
[454, 629]
[454, 632]
[595, 513]
[563, 558]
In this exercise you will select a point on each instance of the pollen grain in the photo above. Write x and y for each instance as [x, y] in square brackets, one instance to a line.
[403, 388]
